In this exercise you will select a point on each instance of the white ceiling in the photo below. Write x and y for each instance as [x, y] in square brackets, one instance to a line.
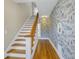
[45, 6]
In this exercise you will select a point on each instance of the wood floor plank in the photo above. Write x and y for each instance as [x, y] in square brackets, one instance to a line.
[45, 50]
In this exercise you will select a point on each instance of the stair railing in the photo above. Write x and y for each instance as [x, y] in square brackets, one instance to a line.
[30, 43]
[34, 27]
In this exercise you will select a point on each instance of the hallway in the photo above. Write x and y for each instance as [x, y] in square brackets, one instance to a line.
[45, 50]
[36, 30]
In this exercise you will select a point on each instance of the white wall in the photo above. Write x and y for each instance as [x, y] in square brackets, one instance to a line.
[15, 15]
[22, 1]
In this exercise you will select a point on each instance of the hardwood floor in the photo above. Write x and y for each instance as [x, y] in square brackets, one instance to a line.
[45, 50]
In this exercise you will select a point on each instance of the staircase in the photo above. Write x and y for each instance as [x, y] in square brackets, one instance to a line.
[22, 46]
[25, 45]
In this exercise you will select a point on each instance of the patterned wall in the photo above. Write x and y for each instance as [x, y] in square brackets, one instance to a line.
[63, 13]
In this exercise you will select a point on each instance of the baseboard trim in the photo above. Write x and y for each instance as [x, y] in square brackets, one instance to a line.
[60, 56]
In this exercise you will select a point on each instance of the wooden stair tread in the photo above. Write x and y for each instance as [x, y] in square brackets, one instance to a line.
[25, 32]
[17, 51]
[8, 57]
[27, 27]
[24, 35]
[20, 40]
[17, 44]
[28, 24]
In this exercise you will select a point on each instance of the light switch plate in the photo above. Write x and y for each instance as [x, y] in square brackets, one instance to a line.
[59, 28]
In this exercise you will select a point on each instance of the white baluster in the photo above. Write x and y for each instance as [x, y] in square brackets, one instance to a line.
[28, 48]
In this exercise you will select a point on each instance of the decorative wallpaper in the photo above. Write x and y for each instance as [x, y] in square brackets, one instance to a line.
[64, 13]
